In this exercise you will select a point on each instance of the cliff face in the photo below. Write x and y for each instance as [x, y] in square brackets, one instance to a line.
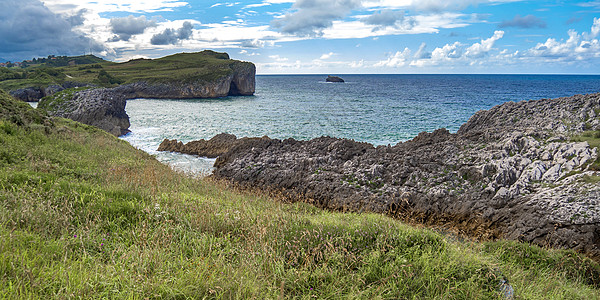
[514, 171]
[103, 108]
[240, 82]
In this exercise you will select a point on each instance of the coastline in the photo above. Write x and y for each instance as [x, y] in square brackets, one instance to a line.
[514, 171]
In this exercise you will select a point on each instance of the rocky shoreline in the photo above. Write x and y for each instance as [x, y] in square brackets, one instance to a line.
[516, 171]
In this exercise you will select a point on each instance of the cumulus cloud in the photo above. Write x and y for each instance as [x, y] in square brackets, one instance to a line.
[528, 21]
[576, 47]
[398, 59]
[389, 18]
[125, 27]
[312, 16]
[480, 49]
[173, 36]
[28, 28]
[448, 54]
[327, 55]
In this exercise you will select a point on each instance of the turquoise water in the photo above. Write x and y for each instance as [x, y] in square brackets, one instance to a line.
[379, 109]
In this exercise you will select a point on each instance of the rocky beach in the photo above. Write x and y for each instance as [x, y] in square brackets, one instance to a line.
[522, 171]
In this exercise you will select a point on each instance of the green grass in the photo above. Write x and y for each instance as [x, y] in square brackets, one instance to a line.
[593, 139]
[205, 66]
[85, 215]
[55, 101]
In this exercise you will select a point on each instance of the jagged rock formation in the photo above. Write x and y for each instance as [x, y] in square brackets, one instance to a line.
[103, 108]
[219, 144]
[333, 79]
[34, 94]
[511, 172]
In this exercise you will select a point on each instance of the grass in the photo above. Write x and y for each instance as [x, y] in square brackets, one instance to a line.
[55, 101]
[85, 215]
[593, 139]
[205, 66]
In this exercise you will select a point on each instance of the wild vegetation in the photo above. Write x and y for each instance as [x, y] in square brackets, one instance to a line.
[85, 215]
[183, 67]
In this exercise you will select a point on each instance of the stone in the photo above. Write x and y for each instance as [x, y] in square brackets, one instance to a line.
[334, 79]
[493, 178]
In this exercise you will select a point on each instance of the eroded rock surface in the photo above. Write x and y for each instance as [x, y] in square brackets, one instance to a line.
[103, 108]
[511, 172]
[34, 94]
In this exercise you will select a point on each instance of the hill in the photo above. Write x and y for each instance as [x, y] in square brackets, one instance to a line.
[85, 215]
[46, 76]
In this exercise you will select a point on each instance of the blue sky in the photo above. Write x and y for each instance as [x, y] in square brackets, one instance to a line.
[318, 36]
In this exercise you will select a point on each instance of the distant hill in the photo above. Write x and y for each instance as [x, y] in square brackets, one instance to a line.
[205, 66]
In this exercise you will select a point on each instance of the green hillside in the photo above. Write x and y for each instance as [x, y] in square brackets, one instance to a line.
[85, 215]
[182, 67]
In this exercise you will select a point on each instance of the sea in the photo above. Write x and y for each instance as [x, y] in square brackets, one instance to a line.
[378, 109]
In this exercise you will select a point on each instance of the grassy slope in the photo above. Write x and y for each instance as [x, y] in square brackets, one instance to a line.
[182, 67]
[83, 214]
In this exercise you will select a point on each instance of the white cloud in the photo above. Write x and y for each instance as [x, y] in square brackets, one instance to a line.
[576, 47]
[399, 59]
[359, 64]
[130, 6]
[327, 55]
[278, 58]
[480, 49]
[429, 5]
[245, 52]
[311, 17]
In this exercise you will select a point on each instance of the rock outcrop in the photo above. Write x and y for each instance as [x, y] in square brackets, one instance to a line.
[333, 79]
[34, 94]
[216, 146]
[514, 171]
[103, 108]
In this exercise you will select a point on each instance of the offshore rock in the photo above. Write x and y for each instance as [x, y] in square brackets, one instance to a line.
[103, 108]
[333, 79]
[509, 172]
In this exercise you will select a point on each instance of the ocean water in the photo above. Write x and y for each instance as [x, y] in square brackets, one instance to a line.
[379, 109]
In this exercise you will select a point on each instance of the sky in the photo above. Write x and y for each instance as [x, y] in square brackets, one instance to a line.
[318, 36]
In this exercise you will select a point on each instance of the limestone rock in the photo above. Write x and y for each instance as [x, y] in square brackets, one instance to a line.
[103, 108]
[508, 172]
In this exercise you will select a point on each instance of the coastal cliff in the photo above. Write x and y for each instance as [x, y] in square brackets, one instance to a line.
[525, 171]
[205, 74]
[103, 108]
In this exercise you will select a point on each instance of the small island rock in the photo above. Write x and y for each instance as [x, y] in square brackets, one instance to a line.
[333, 79]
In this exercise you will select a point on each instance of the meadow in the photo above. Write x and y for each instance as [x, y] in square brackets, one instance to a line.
[85, 215]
